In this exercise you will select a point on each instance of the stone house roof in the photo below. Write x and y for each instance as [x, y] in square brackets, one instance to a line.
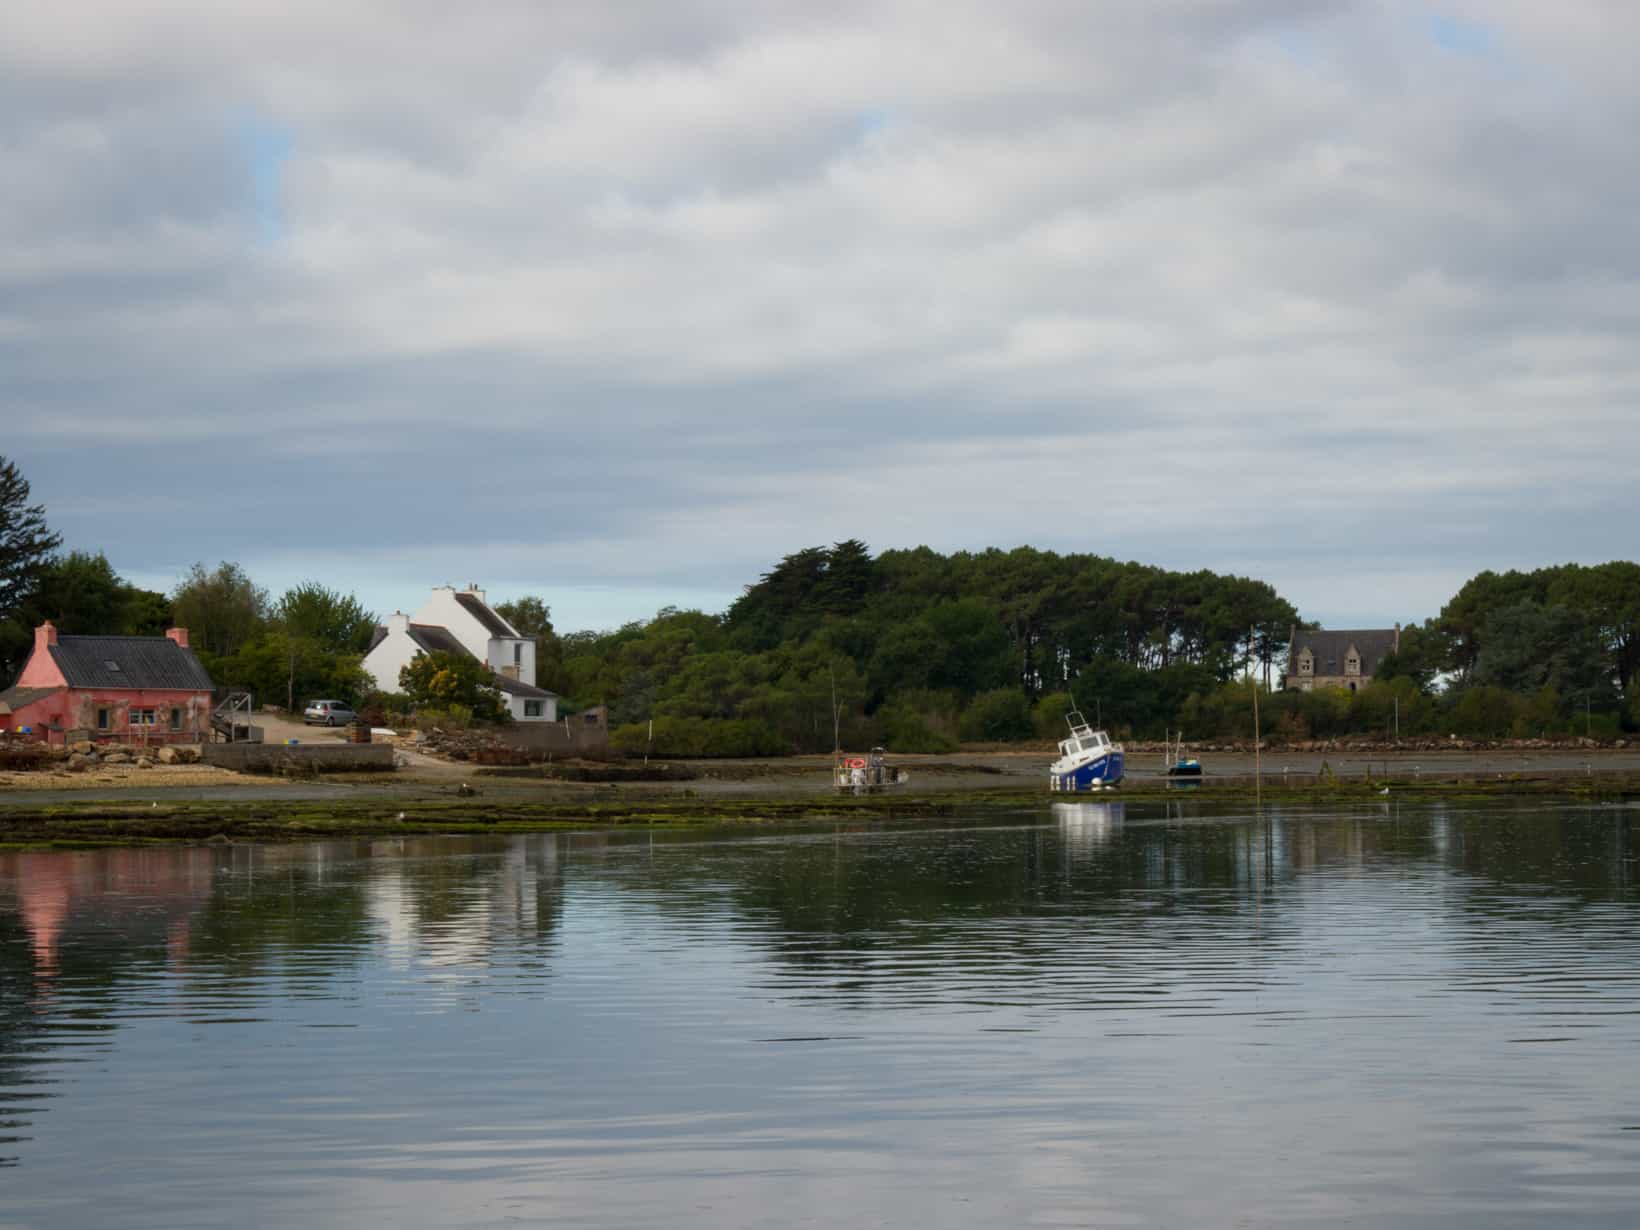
[129, 662]
[493, 623]
[1330, 647]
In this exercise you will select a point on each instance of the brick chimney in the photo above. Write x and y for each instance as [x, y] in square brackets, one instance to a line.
[179, 635]
[45, 636]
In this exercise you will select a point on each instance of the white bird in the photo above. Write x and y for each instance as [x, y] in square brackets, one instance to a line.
[1385, 790]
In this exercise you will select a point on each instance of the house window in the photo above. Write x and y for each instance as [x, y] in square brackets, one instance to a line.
[176, 718]
[1306, 664]
[1352, 666]
[532, 708]
[141, 717]
[518, 653]
[102, 719]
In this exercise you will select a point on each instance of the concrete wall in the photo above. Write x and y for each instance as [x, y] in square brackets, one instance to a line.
[304, 757]
[570, 736]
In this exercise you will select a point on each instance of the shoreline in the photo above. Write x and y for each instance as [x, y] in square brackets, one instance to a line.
[499, 805]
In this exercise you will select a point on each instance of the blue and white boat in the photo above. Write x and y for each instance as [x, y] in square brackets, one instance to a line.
[1088, 760]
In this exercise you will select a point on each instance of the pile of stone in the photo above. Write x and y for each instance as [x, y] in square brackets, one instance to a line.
[477, 746]
[83, 755]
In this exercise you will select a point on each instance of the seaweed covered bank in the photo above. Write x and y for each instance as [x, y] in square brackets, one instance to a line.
[506, 809]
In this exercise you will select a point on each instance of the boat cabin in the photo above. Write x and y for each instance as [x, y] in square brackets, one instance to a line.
[1083, 737]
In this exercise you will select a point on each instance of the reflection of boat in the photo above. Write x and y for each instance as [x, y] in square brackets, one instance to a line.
[863, 773]
[1088, 760]
[1085, 825]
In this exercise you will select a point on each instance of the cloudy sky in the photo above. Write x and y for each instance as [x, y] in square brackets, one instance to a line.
[618, 303]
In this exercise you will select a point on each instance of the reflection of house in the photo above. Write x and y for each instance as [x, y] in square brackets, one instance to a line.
[461, 622]
[149, 689]
[1339, 659]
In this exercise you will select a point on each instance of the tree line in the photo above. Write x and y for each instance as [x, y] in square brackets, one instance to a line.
[911, 649]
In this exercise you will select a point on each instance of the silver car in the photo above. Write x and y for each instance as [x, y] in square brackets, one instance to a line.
[328, 713]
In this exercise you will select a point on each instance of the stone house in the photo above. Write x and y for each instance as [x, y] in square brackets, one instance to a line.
[135, 689]
[462, 622]
[1344, 658]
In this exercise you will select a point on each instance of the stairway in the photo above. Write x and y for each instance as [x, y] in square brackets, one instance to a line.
[231, 719]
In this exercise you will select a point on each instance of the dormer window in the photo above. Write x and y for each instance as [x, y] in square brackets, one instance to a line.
[1306, 664]
[1352, 665]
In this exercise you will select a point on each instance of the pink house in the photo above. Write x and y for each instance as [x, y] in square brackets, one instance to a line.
[136, 689]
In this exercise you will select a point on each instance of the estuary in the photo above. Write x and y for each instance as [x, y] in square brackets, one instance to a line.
[1087, 1013]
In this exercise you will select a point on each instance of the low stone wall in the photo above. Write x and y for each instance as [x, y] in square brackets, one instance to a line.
[300, 758]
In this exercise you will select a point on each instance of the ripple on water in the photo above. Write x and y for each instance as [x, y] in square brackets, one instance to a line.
[1118, 1016]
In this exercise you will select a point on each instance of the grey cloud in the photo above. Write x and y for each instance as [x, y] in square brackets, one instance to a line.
[645, 296]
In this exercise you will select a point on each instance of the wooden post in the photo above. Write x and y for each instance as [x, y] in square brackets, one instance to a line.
[1258, 742]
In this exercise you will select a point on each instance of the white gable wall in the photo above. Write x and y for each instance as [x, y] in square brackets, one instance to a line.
[387, 659]
[443, 611]
[502, 653]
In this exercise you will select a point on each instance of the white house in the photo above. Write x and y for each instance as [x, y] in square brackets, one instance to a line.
[461, 621]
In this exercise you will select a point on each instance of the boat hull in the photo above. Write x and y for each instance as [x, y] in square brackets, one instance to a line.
[1093, 774]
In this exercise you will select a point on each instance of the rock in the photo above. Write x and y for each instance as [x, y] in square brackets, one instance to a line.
[168, 755]
[78, 763]
[144, 763]
[116, 758]
[83, 746]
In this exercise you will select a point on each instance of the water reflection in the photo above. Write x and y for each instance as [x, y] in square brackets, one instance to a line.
[1102, 1011]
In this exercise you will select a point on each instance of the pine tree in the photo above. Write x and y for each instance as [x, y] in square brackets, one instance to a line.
[26, 545]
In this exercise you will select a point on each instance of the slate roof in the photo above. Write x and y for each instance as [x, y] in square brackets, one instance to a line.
[433, 638]
[139, 662]
[517, 687]
[1331, 647]
[493, 623]
[376, 638]
[14, 698]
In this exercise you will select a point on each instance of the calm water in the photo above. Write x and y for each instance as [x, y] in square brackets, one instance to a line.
[1087, 1016]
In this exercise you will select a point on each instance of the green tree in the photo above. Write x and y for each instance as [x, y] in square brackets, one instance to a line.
[26, 547]
[1002, 715]
[279, 668]
[82, 595]
[223, 609]
[334, 621]
[1528, 646]
[445, 679]
[1423, 654]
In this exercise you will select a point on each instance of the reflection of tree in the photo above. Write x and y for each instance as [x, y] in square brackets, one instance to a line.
[889, 908]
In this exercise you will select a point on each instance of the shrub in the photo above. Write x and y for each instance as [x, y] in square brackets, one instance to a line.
[1002, 715]
[698, 737]
[445, 717]
[1048, 716]
[905, 728]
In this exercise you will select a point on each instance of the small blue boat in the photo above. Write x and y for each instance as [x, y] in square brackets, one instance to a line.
[1088, 760]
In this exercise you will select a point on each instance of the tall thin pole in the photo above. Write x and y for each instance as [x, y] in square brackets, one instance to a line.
[836, 715]
[1258, 741]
